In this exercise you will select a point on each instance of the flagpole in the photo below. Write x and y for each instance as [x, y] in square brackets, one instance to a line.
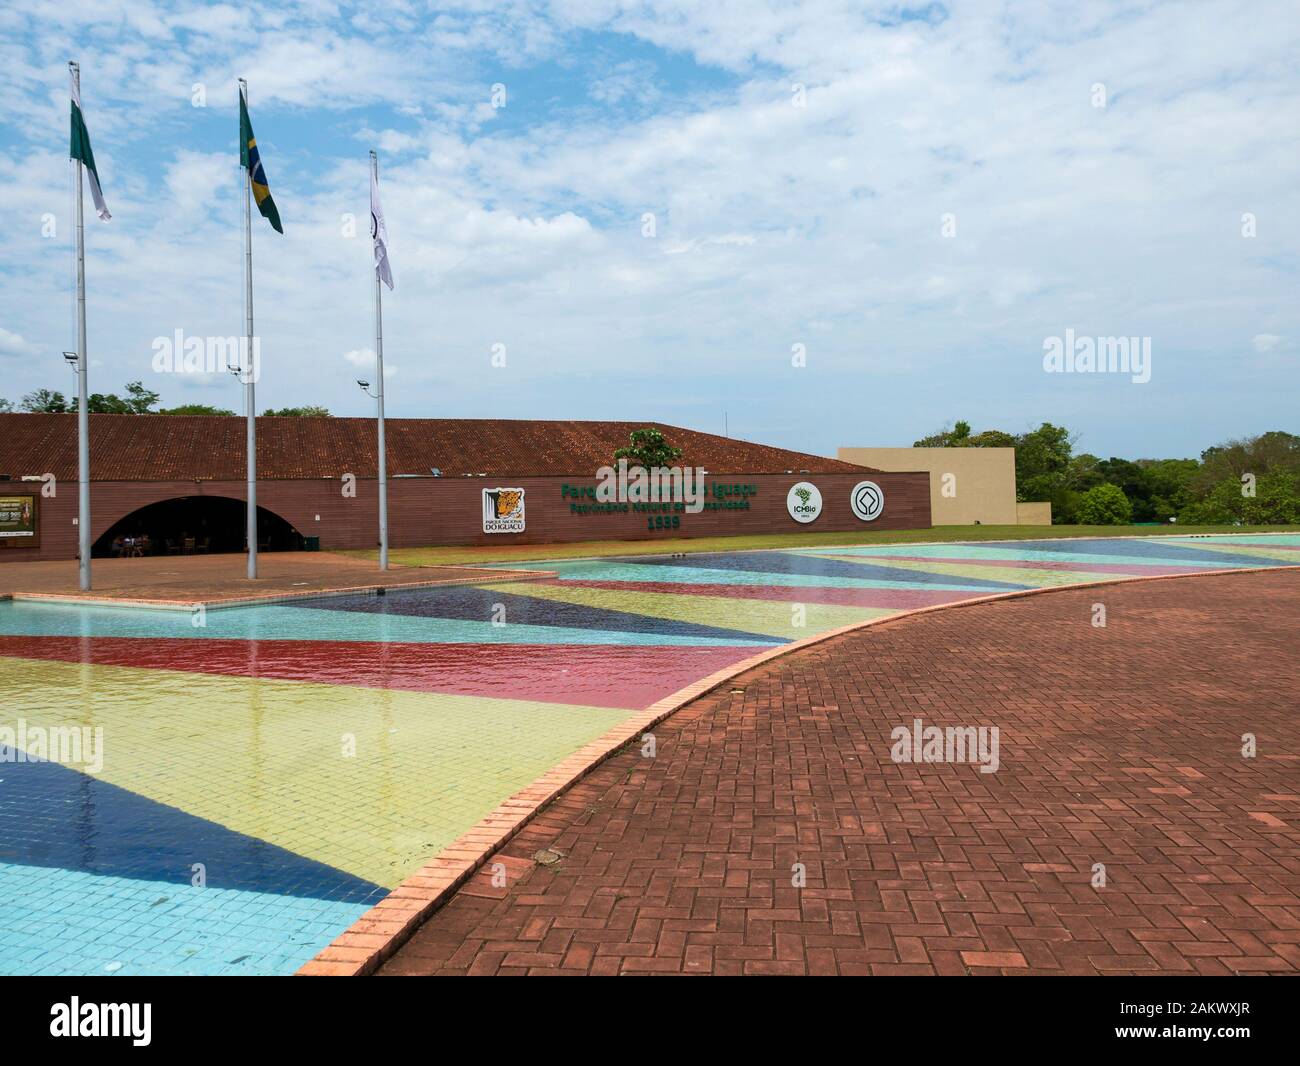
[83, 413]
[249, 396]
[379, 379]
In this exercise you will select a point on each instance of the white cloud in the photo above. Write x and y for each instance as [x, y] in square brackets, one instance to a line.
[13, 344]
[774, 223]
[194, 178]
[364, 359]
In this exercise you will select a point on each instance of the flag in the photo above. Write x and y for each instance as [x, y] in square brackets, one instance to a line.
[80, 149]
[379, 233]
[252, 162]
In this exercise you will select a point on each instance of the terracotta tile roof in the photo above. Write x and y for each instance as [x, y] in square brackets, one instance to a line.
[211, 448]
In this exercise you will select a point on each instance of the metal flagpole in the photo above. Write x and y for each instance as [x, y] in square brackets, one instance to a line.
[83, 413]
[249, 374]
[379, 379]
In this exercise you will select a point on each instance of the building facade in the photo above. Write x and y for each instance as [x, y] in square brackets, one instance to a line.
[968, 486]
[177, 483]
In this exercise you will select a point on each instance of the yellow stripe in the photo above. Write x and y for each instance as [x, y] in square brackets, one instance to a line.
[773, 618]
[1008, 573]
[266, 757]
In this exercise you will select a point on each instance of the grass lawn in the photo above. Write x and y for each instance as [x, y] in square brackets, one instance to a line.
[468, 555]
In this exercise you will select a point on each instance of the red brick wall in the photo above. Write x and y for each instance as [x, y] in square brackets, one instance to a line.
[449, 510]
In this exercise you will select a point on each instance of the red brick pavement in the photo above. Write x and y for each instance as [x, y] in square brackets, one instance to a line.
[1119, 745]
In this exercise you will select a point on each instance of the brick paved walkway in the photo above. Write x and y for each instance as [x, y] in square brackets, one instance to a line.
[1118, 746]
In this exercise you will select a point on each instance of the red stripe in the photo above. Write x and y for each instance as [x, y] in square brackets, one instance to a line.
[600, 675]
[902, 599]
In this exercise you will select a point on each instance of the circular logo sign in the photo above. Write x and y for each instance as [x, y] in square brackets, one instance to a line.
[804, 502]
[867, 500]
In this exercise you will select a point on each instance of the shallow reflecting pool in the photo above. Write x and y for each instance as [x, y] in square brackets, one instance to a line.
[228, 797]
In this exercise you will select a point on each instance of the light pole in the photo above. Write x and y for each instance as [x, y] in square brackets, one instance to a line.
[237, 372]
[74, 363]
[83, 398]
[378, 396]
[383, 276]
[250, 398]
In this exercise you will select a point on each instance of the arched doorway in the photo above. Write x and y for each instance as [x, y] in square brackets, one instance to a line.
[195, 524]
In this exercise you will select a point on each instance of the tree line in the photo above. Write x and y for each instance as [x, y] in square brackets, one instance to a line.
[1250, 481]
[137, 400]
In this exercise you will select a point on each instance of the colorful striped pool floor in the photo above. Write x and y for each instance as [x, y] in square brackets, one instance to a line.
[270, 774]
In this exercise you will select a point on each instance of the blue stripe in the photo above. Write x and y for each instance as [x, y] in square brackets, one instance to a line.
[55, 816]
[477, 605]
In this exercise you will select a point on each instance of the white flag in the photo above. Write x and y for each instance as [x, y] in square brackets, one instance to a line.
[379, 233]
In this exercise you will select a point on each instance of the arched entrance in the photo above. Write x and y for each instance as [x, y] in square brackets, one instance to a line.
[195, 525]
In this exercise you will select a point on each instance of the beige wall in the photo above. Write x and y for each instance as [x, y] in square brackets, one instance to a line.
[1033, 514]
[982, 487]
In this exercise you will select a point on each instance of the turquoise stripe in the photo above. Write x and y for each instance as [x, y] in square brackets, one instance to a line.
[300, 623]
[941, 552]
[700, 575]
[1266, 540]
[60, 922]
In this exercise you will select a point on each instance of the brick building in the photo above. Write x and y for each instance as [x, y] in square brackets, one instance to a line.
[177, 479]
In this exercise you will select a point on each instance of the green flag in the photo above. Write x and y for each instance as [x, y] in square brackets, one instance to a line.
[80, 149]
[252, 162]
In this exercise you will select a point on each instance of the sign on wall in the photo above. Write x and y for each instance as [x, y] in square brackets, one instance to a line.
[503, 510]
[867, 500]
[18, 519]
[804, 502]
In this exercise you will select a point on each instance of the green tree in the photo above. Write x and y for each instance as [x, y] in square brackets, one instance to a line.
[43, 400]
[1131, 479]
[1043, 470]
[960, 436]
[1105, 505]
[298, 412]
[1217, 491]
[1043, 455]
[1169, 481]
[1274, 450]
[992, 438]
[194, 409]
[1083, 472]
[137, 401]
[648, 448]
[1276, 501]
[957, 436]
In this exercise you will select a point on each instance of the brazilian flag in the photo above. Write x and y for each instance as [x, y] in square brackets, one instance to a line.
[252, 162]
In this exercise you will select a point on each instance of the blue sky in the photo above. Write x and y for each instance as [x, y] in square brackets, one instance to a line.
[775, 225]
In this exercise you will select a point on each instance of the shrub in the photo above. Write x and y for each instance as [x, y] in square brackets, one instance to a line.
[1105, 505]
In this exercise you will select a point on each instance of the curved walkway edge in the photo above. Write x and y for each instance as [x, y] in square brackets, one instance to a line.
[378, 934]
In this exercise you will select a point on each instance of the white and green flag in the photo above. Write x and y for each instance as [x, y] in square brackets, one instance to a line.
[80, 149]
